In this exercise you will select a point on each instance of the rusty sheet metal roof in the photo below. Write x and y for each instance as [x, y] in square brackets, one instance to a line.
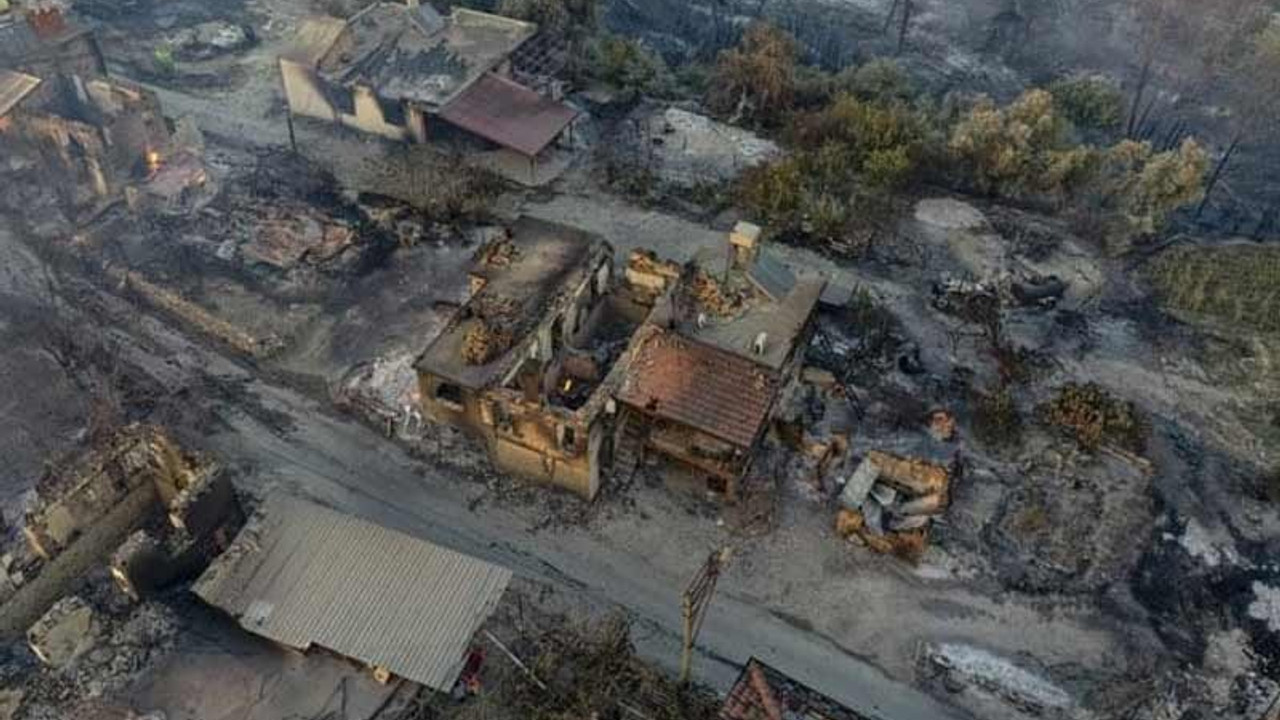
[710, 390]
[14, 87]
[303, 575]
[763, 693]
[509, 114]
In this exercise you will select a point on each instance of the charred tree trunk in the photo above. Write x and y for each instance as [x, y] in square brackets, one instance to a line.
[1217, 174]
[1266, 223]
[906, 24]
[888, 19]
[1138, 92]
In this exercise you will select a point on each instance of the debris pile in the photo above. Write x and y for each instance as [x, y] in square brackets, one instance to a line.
[288, 235]
[499, 252]
[122, 648]
[209, 40]
[889, 503]
[68, 630]
[485, 342]
[962, 665]
[711, 295]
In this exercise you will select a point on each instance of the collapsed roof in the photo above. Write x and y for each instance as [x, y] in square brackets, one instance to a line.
[414, 53]
[524, 275]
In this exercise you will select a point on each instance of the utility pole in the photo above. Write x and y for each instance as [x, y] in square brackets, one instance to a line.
[697, 596]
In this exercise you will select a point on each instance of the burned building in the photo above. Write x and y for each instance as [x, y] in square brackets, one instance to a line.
[37, 38]
[568, 371]
[516, 364]
[65, 126]
[396, 69]
[88, 141]
[722, 341]
[138, 480]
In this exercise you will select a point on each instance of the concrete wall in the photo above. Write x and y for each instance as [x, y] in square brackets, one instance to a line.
[307, 97]
[368, 117]
[89, 550]
[304, 93]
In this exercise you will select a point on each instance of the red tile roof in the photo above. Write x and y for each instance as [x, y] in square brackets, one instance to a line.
[763, 693]
[719, 393]
[509, 114]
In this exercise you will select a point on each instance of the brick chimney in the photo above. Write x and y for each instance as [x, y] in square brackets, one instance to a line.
[744, 245]
[46, 20]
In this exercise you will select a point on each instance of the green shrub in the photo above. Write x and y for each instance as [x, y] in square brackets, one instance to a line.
[1234, 284]
[997, 423]
[881, 80]
[1089, 101]
[1094, 418]
[163, 61]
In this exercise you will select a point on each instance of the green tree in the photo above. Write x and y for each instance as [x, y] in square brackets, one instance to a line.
[1147, 187]
[1007, 150]
[774, 192]
[755, 83]
[567, 18]
[629, 66]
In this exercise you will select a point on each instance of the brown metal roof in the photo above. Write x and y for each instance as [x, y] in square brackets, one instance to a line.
[302, 575]
[14, 87]
[509, 114]
[719, 393]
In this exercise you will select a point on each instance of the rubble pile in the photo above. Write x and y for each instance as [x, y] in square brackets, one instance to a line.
[713, 296]
[209, 40]
[485, 341]
[499, 253]
[68, 630]
[889, 503]
[120, 650]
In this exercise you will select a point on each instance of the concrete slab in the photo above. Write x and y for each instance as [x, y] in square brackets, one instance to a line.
[224, 672]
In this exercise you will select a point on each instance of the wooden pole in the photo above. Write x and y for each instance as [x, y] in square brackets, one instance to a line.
[693, 609]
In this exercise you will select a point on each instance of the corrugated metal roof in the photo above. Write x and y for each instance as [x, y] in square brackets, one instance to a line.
[14, 86]
[303, 575]
[509, 114]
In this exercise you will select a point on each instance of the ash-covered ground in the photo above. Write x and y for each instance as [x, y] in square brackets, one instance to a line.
[1063, 582]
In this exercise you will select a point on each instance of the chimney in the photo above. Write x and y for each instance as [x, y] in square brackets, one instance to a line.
[744, 244]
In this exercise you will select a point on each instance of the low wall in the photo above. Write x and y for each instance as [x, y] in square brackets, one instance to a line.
[90, 550]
